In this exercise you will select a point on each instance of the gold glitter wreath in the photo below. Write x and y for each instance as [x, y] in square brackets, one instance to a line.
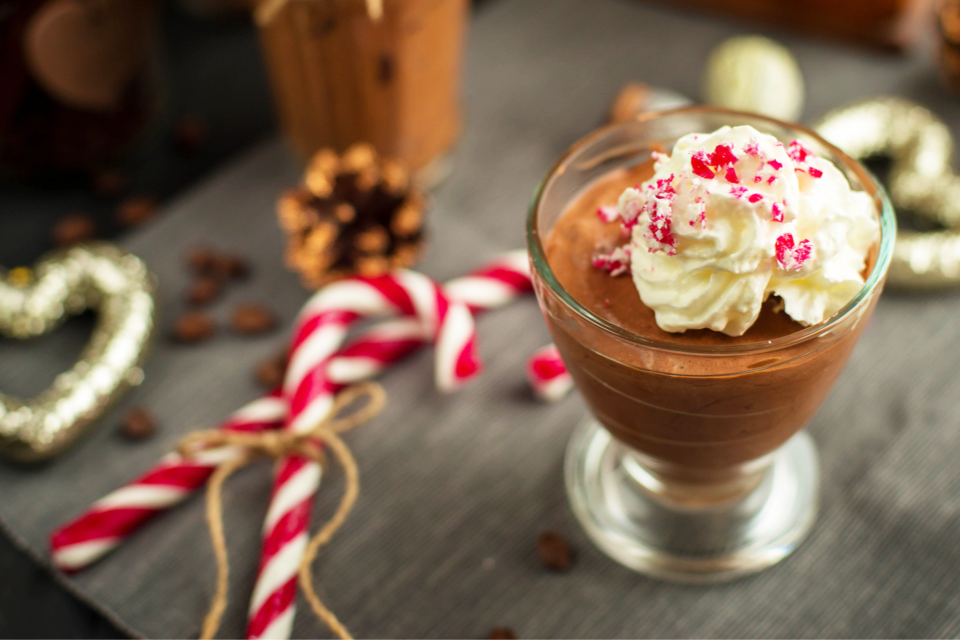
[922, 182]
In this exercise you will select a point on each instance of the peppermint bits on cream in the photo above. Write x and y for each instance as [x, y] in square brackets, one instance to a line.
[730, 218]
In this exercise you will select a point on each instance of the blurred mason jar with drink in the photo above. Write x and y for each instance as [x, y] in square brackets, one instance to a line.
[385, 72]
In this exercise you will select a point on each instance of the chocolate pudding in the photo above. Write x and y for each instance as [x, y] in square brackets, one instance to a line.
[714, 403]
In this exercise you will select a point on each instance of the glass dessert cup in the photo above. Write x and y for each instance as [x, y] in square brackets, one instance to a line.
[694, 467]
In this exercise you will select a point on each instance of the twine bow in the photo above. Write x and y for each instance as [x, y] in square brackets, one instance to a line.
[278, 445]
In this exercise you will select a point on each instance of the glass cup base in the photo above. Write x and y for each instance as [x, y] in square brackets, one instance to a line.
[639, 527]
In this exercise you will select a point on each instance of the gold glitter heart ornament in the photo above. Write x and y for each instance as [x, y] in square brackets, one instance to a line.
[922, 181]
[96, 276]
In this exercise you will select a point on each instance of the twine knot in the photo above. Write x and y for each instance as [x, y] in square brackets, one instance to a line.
[278, 445]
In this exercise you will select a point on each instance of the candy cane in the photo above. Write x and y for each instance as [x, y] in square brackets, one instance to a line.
[272, 605]
[314, 376]
[319, 330]
[547, 374]
[112, 518]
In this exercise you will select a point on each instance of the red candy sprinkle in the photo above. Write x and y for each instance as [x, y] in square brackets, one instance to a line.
[738, 192]
[755, 198]
[699, 165]
[791, 256]
[660, 230]
[771, 179]
[776, 164]
[757, 178]
[777, 212]
[616, 263]
[732, 176]
[608, 213]
[752, 148]
[722, 155]
[814, 172]
[798, 152]
[665, 188]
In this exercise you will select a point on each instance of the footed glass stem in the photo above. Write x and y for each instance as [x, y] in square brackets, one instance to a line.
[684, 533]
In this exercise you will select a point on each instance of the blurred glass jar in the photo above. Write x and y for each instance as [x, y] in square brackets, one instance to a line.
[341, 75]
[77, 84]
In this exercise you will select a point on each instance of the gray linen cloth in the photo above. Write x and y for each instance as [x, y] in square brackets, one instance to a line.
[456, 488]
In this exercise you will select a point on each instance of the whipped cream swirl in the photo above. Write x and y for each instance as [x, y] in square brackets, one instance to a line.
[733, 216]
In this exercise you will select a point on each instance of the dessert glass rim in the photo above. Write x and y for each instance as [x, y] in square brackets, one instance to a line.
[887, 220]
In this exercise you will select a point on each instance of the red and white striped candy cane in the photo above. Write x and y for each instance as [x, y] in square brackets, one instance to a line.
[320, 329]
[547, 374]
[410, 294]
[272, 605]
[115, 516]
[110, 520]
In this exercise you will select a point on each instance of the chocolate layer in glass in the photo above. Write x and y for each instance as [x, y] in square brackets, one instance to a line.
[697, 416]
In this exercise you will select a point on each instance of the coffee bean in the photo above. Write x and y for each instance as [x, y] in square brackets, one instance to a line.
[203, 260]
[109, 183]
[189, 134]
[193, 326]
[253, 319]
[138, 424]
[204, 290]
[234, 267]
[134, 211]
[270, 372]
[73, 228]
[502, 633]
[554, 551]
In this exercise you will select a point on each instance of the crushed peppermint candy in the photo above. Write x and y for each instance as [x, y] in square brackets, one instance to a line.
[776, 164]
[722, 156]
[777, 212]
[616, 263]
[732, 176]
[814, 172]
[790, 254]
[608, 213]
[699, 164]
[738, 192]
[798, 152]
[755, 198]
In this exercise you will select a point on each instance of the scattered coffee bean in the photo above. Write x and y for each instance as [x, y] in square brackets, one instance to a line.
[270, 372]
[554, 551]
[138, 424]
[502, 633]
[73, 228]
[134, 211]
[253, 319]
[234, 267]
[204, 290]
[193, 326]
[189, 134]
[203, 261]
[109, 183]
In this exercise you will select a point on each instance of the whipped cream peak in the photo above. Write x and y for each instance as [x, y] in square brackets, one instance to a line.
[729, 218]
